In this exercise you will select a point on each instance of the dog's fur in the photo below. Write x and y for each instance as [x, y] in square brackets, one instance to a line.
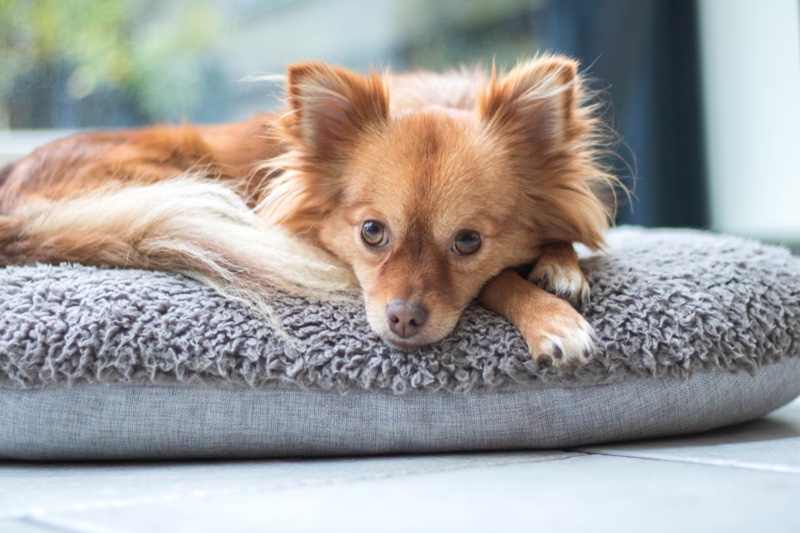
[432, 164]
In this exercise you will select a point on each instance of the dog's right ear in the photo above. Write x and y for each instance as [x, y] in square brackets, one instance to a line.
[332, 105]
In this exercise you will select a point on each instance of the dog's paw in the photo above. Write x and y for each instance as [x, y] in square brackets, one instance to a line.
[560, 335]
[564, 280]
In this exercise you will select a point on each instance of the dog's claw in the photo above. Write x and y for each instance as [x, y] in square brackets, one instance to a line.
[558, 353]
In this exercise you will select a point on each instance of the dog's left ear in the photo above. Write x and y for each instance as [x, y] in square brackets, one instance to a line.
[332, 105]
[535, 102]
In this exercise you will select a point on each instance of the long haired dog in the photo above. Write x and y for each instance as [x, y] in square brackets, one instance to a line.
[423, 190]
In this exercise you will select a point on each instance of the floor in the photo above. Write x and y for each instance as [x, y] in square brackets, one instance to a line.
[743, 478]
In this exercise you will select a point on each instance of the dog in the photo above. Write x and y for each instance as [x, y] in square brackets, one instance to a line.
[423, 192]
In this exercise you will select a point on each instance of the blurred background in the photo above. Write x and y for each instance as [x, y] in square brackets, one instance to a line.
[704, 93]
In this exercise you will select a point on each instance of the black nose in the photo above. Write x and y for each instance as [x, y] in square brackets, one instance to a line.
[406, 319]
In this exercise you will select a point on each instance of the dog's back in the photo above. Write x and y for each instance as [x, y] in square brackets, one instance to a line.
[171, 198]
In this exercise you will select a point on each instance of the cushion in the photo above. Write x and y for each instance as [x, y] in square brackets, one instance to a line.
[696, 331]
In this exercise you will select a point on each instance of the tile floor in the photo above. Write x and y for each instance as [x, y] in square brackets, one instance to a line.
[744, 478]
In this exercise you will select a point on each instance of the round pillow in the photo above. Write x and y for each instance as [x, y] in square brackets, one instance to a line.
[696, 331]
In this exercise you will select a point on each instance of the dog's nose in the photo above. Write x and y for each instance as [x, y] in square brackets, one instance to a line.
[406, 318]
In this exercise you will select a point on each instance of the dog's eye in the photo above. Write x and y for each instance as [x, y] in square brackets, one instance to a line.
[374, 233]
[467, 242]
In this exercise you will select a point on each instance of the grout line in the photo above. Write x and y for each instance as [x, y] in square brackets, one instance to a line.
[726, 463]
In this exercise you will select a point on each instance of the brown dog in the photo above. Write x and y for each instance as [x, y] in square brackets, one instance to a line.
[428, 188]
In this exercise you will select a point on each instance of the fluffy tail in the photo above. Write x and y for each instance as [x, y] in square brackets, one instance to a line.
[187, 225]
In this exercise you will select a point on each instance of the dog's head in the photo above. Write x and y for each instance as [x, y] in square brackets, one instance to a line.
[429, 186]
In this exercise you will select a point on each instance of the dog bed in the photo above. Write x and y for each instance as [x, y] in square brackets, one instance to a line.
[696, 331]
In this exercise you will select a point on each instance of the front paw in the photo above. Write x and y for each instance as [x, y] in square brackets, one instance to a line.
[560, 334]
[553, 330]
[565, 281]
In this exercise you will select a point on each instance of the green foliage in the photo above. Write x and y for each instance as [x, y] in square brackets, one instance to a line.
[152, 49]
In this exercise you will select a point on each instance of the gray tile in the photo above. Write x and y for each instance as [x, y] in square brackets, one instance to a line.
[585, 493]
[771, 443]
[30, 489]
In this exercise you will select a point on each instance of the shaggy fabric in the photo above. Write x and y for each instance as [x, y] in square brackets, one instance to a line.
[663, 303]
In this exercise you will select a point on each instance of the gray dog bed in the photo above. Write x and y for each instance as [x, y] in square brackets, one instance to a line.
[696, 331]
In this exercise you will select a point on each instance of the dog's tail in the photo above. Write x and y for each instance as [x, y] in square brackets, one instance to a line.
[188, 225]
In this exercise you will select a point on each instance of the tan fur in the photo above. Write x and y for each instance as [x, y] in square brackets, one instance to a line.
[270, 202]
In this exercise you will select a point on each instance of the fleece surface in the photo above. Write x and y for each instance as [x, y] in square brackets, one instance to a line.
[663, 303]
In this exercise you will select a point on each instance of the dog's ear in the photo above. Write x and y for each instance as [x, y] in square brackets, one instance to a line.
[535, 102]
[332, 105]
